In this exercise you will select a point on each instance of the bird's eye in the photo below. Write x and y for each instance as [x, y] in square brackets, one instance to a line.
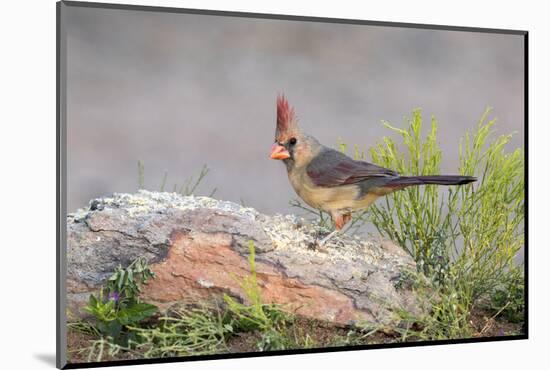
[292, 141]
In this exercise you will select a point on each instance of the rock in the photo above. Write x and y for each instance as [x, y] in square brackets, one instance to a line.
[198, 249]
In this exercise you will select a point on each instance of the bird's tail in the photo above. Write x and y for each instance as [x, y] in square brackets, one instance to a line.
[431, 180]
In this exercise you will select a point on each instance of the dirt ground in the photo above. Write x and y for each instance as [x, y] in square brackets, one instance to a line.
[322, 334]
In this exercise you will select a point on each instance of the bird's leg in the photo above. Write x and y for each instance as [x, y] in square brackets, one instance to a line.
[347, 218]
[339, 221]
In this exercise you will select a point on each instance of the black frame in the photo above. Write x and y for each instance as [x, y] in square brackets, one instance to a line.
[61, 172]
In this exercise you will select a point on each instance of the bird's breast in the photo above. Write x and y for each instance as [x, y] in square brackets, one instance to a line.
[328, 199]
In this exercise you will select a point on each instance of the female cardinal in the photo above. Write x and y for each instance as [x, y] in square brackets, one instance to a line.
[328, 180]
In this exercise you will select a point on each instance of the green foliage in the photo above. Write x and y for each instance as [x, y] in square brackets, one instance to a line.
[473, 233]
[84, 327]
[164, 179]
[118, 305]
[465, 238]
[267, 319]
[186, 331]
[141, 174]
[449, 317]
[124, 281]
[253, 316]
[414, 218]
[446, 315]
[508, 298]
[189, 187]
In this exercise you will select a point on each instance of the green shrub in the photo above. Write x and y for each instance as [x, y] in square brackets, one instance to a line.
[465, 238]
[467, 233]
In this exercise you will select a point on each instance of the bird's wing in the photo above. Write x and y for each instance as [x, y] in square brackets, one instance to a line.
[332, 168]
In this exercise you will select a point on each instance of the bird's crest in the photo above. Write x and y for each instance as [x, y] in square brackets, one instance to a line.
[286, 120]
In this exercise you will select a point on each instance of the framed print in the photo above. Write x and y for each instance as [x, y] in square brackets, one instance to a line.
[235, 184]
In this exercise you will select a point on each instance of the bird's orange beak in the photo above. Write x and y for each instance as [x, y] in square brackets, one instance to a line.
[279, 152]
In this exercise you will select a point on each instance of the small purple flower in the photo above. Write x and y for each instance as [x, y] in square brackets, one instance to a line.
[114, 296]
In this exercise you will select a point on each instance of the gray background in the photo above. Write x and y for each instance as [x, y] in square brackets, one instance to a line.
[177, 91]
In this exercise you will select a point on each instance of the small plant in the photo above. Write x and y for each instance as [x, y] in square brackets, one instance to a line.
[186, 331]
[117, 306]
[267, 319]
[189, 187]
[508, 299]
[406, 280]
[141, 174]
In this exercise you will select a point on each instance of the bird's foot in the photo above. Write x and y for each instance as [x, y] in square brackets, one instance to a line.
[328, 237]
[315, 246]
[319, 245]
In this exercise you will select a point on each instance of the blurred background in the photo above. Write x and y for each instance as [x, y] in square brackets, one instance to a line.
[178, 91]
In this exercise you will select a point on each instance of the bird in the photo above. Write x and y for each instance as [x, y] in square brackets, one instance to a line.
[330, 181]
